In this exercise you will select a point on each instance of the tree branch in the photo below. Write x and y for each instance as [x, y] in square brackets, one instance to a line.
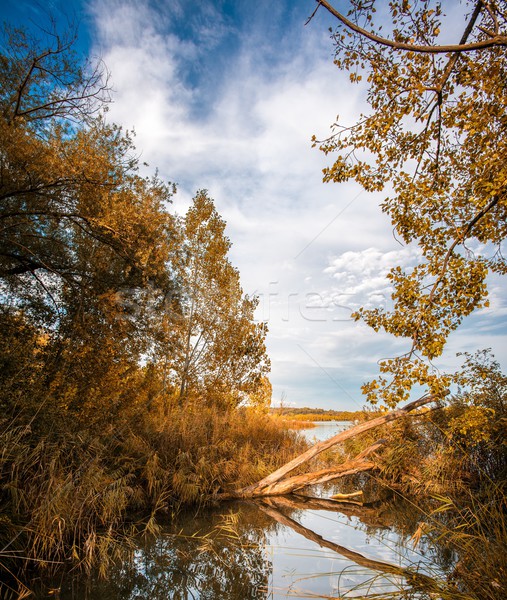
[497, 40]
[297, 482]
[257, 488]
[457, 240]
[452, 61]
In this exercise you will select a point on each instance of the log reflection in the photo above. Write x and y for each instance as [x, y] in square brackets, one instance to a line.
[273, 505]
[369, 514]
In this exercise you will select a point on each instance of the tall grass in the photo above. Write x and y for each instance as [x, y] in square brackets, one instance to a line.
[459, 481]
[475, 529]
[77, 498]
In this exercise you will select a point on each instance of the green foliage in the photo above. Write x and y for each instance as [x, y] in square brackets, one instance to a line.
[436, 137]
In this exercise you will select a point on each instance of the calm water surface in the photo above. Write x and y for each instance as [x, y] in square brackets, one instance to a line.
[276, 548]
[323, 430]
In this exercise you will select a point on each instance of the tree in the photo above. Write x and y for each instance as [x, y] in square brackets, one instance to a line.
[260, 399]
[44, 79]
[79, 227]
[437, 135]
[220, 355]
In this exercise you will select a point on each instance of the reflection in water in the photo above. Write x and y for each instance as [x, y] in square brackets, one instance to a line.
[287, 547]
[362, 574]
[211, 555]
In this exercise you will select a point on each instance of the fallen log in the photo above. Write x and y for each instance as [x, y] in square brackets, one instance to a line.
[349, 467]
[287, 486]
[277, 483]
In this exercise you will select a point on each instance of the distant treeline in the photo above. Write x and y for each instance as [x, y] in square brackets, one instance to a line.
[317, 414]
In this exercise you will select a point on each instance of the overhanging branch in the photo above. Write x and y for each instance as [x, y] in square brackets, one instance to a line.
[493, 41]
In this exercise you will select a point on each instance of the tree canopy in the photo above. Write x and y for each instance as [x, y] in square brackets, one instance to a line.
[219, 353]
[103, 290]
[435, 137]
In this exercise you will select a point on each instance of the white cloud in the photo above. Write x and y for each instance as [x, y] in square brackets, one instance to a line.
[361, 276]
[239, 122]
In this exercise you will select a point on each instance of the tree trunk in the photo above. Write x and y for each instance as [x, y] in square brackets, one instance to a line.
[349, 467]
[277, 482]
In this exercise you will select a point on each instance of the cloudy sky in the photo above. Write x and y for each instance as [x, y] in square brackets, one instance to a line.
[225, 95]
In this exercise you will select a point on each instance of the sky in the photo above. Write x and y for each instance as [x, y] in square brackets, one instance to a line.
[225, 95]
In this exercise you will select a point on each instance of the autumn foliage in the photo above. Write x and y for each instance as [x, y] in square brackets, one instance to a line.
[127, 344]
[434, 140]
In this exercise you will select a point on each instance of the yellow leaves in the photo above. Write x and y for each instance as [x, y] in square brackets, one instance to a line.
[401, 375]
[437, 134]
[473, 425]
[220, 353]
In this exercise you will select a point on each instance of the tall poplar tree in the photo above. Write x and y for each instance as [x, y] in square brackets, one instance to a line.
[220, 356]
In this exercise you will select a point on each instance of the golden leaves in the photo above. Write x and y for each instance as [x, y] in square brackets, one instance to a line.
[220, 354]
[437, 135]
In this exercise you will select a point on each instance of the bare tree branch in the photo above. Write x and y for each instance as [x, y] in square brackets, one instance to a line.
[257, 489]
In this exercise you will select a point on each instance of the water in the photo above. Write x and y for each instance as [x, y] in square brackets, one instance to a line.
[275, 548]
[323, 430]
[266, 550]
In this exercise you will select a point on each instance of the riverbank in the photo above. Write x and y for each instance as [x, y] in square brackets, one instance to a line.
[319, 414]
[76, 497]
[81, 501]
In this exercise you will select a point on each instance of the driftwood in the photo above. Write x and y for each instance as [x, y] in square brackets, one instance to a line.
[346, 497]
[349, 467]
[277, 483]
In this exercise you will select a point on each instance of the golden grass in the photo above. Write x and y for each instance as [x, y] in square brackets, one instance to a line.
[77, 498]
[426, 462]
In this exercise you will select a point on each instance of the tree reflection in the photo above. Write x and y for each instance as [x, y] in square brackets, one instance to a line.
[275, 507]
[214, 555]
[227, 552]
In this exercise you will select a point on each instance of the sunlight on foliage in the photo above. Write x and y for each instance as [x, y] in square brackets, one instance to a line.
[435, 139]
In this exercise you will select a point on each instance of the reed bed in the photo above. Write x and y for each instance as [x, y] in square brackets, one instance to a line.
[77, 499]
[458, 479]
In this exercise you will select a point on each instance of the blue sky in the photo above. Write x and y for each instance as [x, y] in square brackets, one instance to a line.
[226, 95]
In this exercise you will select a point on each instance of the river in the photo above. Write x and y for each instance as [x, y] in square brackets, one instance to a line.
[323, 430]
[273, 549]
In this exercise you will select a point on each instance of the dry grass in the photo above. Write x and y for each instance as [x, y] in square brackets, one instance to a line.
[460, 483]
[78, 498]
